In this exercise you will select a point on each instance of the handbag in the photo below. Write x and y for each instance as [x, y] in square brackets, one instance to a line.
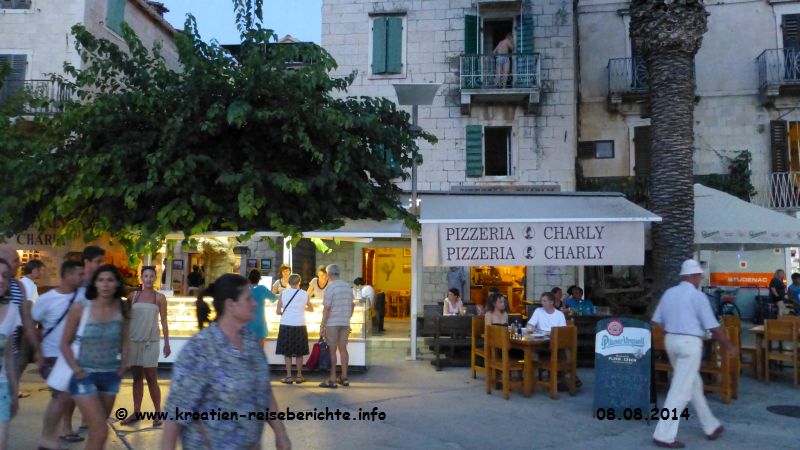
[61, 374]
[324, 355]
[313, 359]
[280, 311]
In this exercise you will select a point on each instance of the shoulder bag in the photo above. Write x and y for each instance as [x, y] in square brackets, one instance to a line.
[281, 310]
[61, 374]
[66, 311]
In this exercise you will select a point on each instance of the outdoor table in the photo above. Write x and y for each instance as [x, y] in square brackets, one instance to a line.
[527, 345]
[758, 331]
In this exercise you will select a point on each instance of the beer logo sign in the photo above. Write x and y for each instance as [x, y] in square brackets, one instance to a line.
[614, 327]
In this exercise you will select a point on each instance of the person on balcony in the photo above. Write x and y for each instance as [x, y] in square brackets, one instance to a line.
[502, 54]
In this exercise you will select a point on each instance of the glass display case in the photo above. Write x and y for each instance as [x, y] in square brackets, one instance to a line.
[182, 323]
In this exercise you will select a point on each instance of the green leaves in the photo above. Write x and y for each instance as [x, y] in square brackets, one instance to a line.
[251, 141]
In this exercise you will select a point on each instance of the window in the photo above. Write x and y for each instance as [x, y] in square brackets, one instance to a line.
[790, 28]
[15, 81]
[387, 45]
[15, 4]
[596, 150]
[488, 151]
[115, 15]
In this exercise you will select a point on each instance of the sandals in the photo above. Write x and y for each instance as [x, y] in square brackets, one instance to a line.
[299, 380]
[131, 419]
[157, 423]
[73, 437]
[287, 380]
[343, 381]
[328, 384]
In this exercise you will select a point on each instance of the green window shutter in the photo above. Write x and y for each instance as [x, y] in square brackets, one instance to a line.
[524, 34]
[394, 45]
[379, 45]
[115, 15]
[471, 33]
[474, 150]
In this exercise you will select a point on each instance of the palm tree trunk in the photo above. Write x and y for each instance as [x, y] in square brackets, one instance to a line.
[671, 192]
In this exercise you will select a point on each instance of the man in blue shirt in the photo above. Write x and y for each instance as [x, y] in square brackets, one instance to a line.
[794, 293]
[585, 307]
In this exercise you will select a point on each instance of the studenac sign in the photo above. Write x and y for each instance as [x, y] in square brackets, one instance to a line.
[531, 244]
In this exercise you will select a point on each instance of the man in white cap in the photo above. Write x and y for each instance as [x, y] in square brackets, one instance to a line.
[685, 314]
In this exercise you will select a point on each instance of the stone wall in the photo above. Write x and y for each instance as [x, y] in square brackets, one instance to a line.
[543, 144]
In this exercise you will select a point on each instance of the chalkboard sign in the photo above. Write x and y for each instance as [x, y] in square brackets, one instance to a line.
[622, 364]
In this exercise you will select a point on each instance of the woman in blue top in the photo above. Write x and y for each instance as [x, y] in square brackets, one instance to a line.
[260, 294]
[584, 307]
[101, 327]
[794, 293]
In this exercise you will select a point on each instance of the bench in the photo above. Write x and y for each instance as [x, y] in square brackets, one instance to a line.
[452, 337]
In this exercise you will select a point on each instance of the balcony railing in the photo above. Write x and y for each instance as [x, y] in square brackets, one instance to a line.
[627, 76]
[637, 188]
[779, 66]
[783, 191]
[51, 94]
[485, 72]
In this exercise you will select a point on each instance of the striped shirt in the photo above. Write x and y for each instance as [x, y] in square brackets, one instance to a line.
[17, 298]
[339, 296]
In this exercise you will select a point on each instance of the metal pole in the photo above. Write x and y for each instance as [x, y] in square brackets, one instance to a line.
[415, 285]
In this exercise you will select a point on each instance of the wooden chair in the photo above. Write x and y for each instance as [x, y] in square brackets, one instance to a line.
[660, 359]
[718, 366]
[498, 358]
[748, 351]
[776, 330]
[736, 363]
[563, 358]
[478, 345]
[451, 338]
[393, 303]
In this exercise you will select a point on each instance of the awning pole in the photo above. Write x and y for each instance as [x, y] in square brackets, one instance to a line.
[415, 285]
[287, 252]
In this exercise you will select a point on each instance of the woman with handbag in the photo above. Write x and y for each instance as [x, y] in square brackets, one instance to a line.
[222, 368]
[9, 321]
[98, 358]
[292, 334]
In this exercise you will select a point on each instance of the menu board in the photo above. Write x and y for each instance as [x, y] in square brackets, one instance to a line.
[622, 364]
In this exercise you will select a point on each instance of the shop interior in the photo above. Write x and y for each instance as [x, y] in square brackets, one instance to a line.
[510, 280]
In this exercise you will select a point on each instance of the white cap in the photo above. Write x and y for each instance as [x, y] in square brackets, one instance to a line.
[691, 267]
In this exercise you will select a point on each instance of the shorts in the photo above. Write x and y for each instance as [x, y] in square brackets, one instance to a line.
[103, 383]
[5, 403]
[336, 335]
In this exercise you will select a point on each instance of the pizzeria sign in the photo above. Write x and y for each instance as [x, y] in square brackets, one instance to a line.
[530, 244]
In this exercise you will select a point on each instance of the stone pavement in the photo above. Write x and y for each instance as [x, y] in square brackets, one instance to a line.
[448, 409]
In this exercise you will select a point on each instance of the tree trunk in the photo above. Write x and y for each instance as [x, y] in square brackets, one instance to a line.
[671, 191]
[668, 33]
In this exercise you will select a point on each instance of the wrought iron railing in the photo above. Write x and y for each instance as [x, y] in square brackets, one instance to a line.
[48, 95]
[627, 76]
[782, 191]
[489, 71]
[779, 66]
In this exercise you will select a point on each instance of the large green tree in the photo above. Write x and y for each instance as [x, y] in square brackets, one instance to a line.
[245, 142]
[668, 34]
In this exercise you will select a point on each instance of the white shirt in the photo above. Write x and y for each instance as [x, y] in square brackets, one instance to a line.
[295, 314]
[8, 326]
[683, 309]
[543, 321]
[448, 309]
[31, 292]
[368, 291]
[47, 310]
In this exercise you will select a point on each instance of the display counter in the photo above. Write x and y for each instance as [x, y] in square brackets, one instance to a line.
[182, 323]
[356, 345]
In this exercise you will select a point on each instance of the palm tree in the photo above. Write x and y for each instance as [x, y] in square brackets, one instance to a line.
[668, 34]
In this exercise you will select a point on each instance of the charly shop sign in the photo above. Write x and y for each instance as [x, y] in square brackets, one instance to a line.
[552, 244]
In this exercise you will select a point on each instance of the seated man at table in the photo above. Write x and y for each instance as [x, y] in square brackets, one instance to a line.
[585, 307]
[547, 316]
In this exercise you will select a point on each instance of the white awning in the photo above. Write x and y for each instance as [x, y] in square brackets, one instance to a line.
[554, 229]
[725, 222]
[353, 230]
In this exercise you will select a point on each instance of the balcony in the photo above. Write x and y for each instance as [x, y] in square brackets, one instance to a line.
[778, 73]
[480, 81]
[627, 83]
[637, 188]
[782, 192]
[48, 94]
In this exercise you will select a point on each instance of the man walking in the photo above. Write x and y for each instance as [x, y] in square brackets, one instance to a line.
[335, 326]
[31, 271]
[51, 312]
[685, 314]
